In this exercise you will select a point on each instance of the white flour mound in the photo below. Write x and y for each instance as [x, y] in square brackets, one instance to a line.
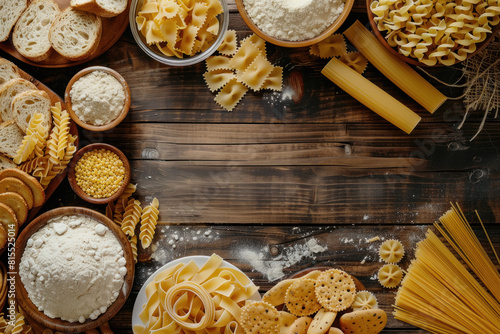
[272, 268]
[293, 20]
[73, 268]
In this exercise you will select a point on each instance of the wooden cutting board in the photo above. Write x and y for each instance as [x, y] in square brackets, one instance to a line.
[112, 29]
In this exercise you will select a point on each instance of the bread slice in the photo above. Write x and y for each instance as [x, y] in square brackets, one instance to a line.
[6, 163]
[27, 103]
[10, 10]
[31, 33]
[11, 138]
[15, 185]
[75, 34]
[104, 8]
[7, 92]
[35, 186]
[8, 71]
[17, 203]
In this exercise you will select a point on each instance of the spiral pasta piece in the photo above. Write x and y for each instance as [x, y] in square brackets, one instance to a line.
[149, 220]
[133, 245]
[131, 217]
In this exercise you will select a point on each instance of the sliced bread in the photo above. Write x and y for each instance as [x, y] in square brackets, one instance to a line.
[27, 103]
[6, 163]
[7, 92]
[10, 10]
[11, 138]
[104, 8]
[75, 34]
[8, 71]
[31, 33]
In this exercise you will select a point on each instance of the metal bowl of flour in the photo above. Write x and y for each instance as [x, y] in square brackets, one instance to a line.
[31, 311]
[296, 44]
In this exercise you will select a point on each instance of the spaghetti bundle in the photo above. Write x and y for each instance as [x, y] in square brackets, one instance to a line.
[439, 294]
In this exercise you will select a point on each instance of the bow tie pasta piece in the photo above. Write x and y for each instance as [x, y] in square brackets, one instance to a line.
[256, 73]
[228, 46]
[275, 79]
[231, 94]
[218, 78]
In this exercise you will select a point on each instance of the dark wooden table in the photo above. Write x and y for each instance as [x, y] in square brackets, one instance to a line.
[285, 168]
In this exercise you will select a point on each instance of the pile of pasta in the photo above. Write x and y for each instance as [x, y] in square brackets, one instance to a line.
[433, 32]
[46, 157]
[179, 27]
[188, 299]
[335, 46]
[236, 70]
[127, 212]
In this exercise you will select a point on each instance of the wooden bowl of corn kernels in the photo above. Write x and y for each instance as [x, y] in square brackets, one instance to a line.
[99, 173]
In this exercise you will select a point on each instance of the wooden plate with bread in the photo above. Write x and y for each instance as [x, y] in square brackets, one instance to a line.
[21, 194]
[95, 33]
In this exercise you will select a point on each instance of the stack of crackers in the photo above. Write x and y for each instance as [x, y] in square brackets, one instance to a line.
[312, 304]
[19, 192]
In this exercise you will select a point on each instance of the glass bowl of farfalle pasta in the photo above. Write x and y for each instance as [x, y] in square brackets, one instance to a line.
[434, 33]
[179, 32]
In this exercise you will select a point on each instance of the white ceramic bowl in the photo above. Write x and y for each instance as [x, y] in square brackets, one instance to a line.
[199, 260]
[153, 51]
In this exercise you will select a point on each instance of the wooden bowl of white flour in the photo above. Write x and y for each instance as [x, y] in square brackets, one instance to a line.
[294, 23]
[75, 269]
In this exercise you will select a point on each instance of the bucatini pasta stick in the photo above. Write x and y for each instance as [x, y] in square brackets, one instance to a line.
[370, 95]
[394, 69]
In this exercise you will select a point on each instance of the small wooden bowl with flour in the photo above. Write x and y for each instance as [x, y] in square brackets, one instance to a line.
[294, 18]
[90, 237]
[97, 98]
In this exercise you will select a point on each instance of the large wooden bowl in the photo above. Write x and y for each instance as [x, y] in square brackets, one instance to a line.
[381, 37]
[58, 324]
[298, 44]
[72, 178]
[113, 123]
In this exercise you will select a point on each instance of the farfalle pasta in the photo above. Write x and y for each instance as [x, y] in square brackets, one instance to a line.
[191, 299]
[247, 68]
[436, 32]
[179, 27]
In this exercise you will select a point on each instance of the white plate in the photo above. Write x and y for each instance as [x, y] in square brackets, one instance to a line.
[199, 260]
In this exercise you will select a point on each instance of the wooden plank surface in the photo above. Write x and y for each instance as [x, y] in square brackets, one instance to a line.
[286, 167]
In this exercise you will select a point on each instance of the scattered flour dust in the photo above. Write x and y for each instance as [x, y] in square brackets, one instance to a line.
[73, 268]
[293, 20]
[272, 268]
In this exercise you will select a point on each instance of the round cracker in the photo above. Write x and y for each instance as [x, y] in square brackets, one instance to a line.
[334, 330]
[13, 184]
[17, 203]
[8, 220]
[3, 239]
[260, 317]
[335, 290]
[35, 186]
[300, 298]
